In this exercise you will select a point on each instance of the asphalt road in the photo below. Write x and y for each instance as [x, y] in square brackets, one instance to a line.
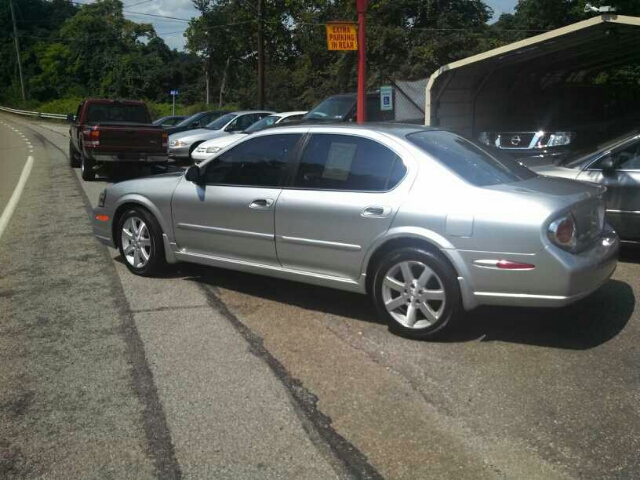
[207, 373]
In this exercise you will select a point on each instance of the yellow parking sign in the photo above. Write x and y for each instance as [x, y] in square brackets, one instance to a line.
[342, 36]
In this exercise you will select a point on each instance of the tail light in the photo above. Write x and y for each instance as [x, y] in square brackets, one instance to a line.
[94, 138]
[165, 139]
[563, 233]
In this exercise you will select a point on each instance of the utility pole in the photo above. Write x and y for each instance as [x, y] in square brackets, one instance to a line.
[206, 81]
[15, 37]
[362, 6]
[260, 54]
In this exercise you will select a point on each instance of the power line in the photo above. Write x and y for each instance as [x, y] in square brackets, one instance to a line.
[139, 3]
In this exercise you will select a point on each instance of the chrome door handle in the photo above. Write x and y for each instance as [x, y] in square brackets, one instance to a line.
[261, 203]
[376, 212]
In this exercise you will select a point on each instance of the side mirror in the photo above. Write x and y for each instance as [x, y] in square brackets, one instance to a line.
[194, 124]
[70, 118]
[193, 174]
[607, 165]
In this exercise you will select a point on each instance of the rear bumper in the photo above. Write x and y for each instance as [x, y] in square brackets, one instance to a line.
[558, 279]
[144, 157]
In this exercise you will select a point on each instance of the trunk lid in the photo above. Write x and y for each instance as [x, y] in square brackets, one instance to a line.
[561, 196]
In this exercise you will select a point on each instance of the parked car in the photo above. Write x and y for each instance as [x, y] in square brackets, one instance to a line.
[182, 145]
[525, 143]
[424, 221]
[197, 120]
[343, 108]
[210, 147]
[616, 165]
[169, 120]
[113, 131]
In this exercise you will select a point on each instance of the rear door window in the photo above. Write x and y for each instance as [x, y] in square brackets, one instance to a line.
[346, 162]
[469, 161]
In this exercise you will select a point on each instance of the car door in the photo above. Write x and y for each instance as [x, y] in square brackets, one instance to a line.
[230, 213]
[623, 187]
[342, 197]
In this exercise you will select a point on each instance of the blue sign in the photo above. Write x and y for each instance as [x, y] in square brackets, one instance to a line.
[386, 98]
[174, 92]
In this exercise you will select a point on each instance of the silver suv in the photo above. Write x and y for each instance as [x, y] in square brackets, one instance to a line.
[426, 222]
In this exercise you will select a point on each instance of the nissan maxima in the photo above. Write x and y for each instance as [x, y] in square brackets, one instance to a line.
[426, 223]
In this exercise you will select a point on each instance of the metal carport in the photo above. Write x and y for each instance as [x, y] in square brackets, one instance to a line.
[515, 80]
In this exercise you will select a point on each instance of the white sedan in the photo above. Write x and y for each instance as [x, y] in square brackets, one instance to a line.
[213, 146]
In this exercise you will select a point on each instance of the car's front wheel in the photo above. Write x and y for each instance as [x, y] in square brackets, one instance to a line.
[417, 292]
[140, 242]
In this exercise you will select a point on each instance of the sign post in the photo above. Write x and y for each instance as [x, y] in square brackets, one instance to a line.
[173, 94]
[362, 6]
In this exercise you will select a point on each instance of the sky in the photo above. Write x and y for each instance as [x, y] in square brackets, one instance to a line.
[172, 30]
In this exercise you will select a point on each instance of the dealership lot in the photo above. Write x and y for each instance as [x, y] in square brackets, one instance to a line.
[515, 393]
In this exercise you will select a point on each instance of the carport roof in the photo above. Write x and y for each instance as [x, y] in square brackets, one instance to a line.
[590, 46]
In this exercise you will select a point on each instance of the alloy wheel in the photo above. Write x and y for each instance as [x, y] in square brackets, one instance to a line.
[413, 294]
[136, 242]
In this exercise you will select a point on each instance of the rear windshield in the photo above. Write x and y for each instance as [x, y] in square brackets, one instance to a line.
[188, 120]
[468, 160]
[117, 112]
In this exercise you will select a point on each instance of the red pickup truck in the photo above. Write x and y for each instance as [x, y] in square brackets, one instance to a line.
[114, 131]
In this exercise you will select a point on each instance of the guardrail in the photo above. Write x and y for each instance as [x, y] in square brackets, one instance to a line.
[55, 116]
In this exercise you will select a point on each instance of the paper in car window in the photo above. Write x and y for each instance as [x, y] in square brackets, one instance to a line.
[339, 161]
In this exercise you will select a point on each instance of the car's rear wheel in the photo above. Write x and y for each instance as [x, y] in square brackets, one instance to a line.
[87, 166]
[417, 292]
[74, 156]
[140, 242]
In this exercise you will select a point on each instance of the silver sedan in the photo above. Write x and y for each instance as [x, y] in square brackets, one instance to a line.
[425, 222]
[182, 144]
[615, 165]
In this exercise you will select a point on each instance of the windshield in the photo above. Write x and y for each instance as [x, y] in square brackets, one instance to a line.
[188, 120]
[577, 157]
[468, 160]
[335, 108]
[220, 122]
[262, 124]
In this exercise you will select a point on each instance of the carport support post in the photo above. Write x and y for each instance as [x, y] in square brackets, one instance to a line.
[362, 6]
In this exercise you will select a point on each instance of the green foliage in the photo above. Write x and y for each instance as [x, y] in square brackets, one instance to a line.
[72, 52]
[63, 105]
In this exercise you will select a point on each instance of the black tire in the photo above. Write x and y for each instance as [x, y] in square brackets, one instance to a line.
[156, 261]
[74, 156]
[88, 168]
[441, 277]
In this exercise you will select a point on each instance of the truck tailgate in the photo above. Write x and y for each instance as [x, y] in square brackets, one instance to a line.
[131, 139]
